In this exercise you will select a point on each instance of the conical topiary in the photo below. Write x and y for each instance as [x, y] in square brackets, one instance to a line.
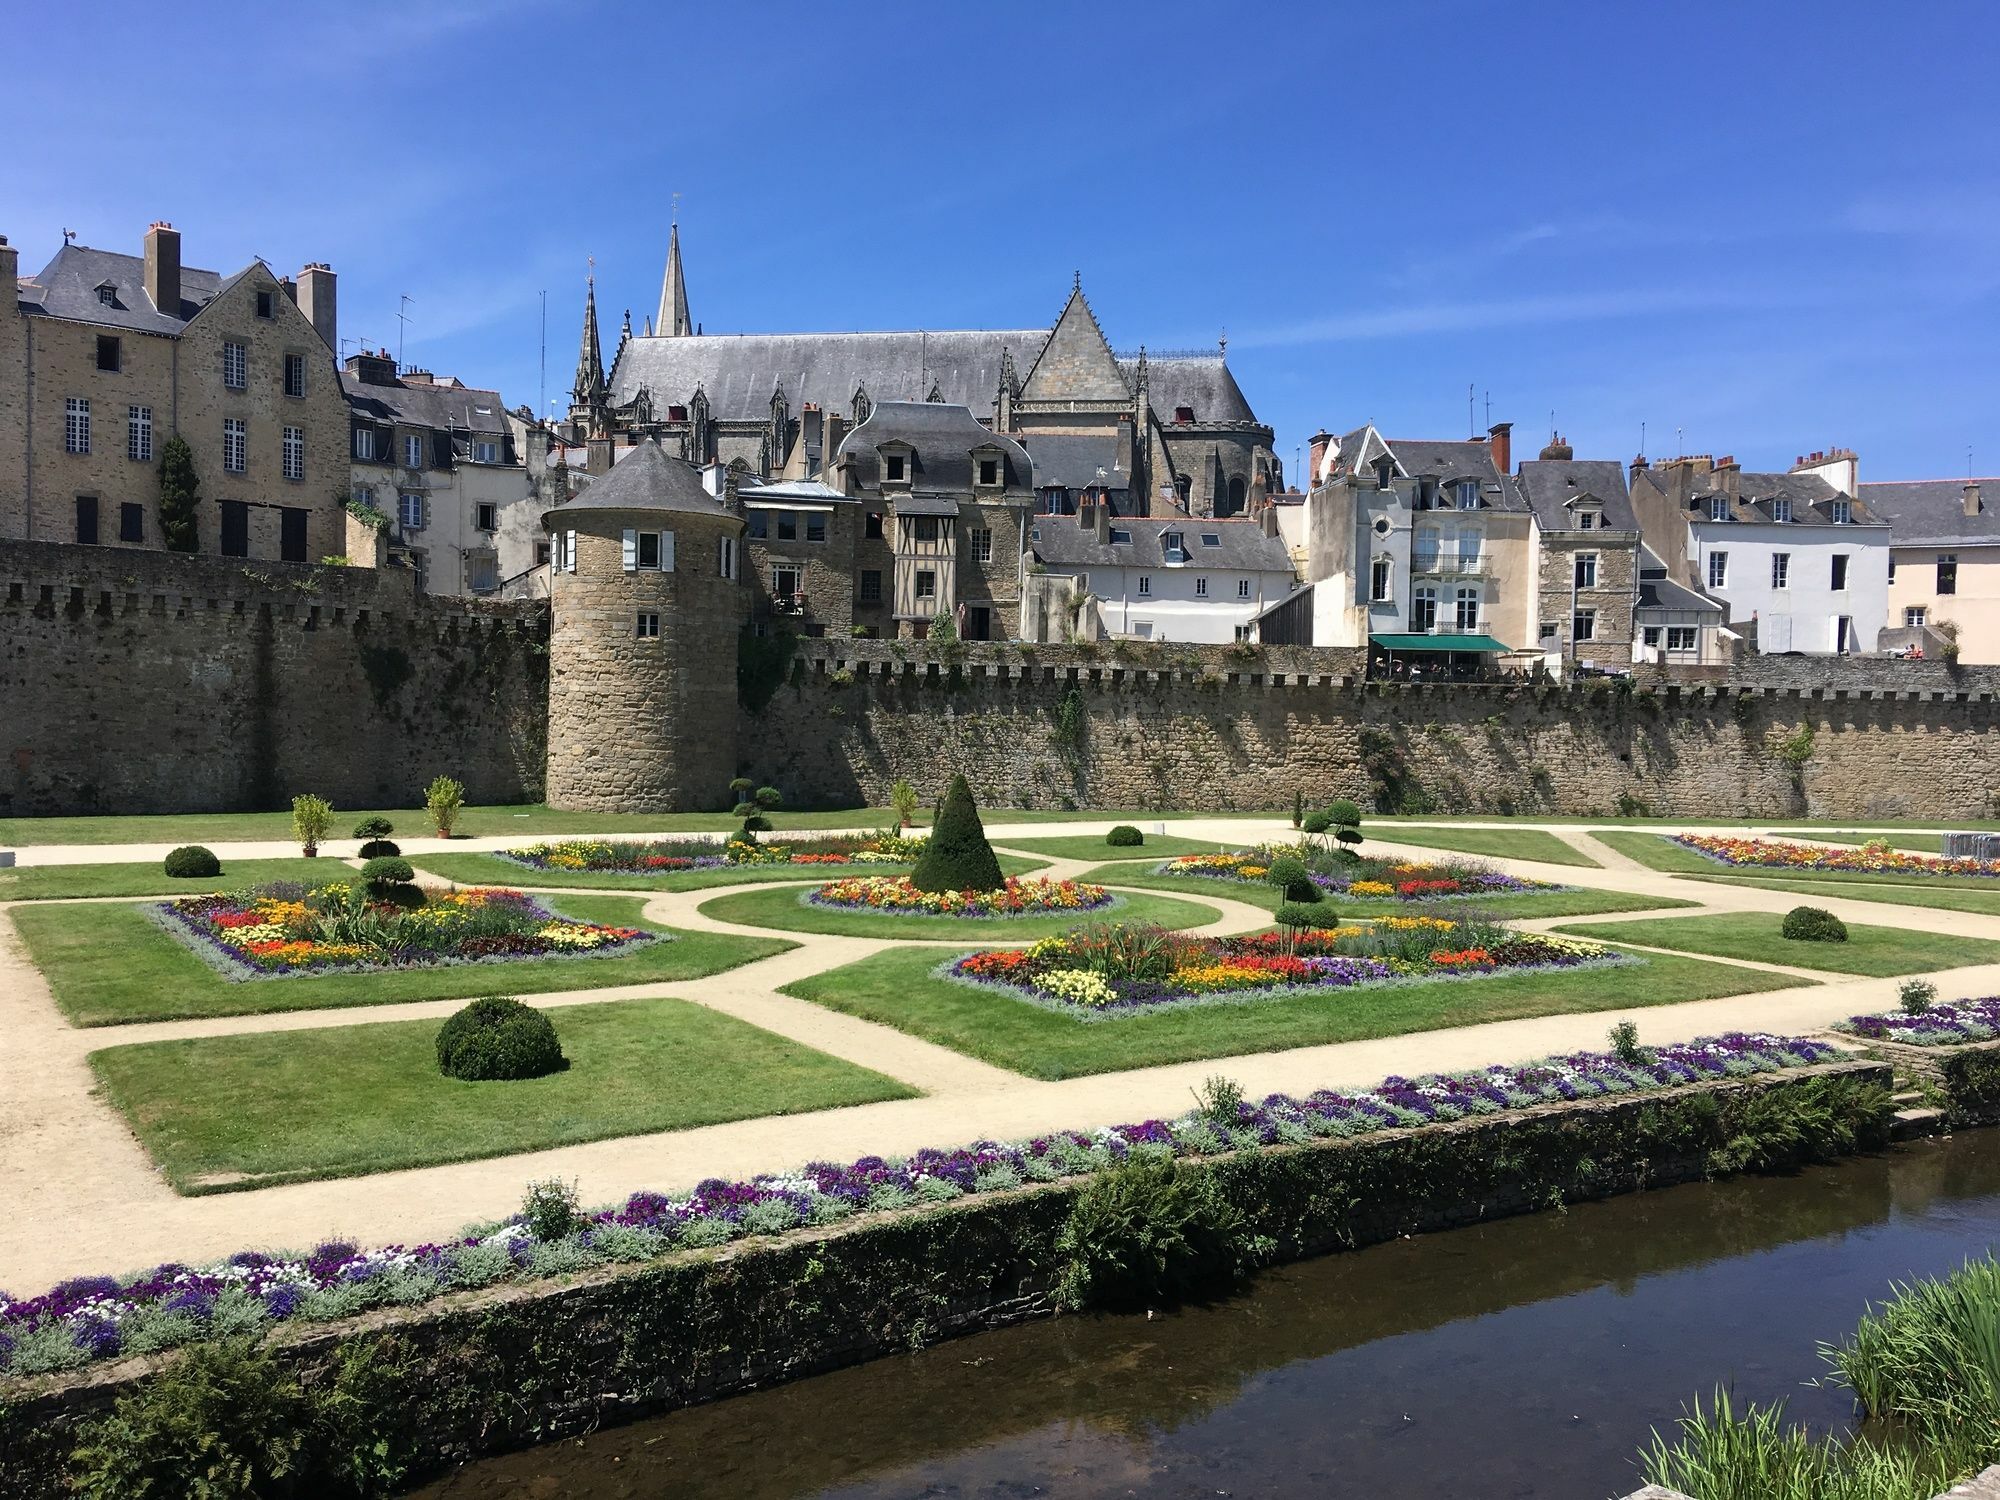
[957, 857]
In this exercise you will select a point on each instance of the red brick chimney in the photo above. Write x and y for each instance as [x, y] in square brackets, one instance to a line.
[1320, 441]
[1501, 436]
[163, 268]
[1729, 475]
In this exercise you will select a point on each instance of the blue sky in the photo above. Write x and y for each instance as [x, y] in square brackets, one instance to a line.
[1768, 227]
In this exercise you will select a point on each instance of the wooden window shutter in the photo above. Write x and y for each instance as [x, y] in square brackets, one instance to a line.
[631, 551]
[666, 552]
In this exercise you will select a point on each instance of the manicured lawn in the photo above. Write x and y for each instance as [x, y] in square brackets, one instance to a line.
[491, 869]
[1575, 903]
[1500, 843]
[262, 1108]
[784, 910]
[1916, 843]
[1661, 853]
[53, 882]
[107, 965]
[1755, 935]
[1092, 846]
[900, 988]
[1933, 894]
[1657, 852]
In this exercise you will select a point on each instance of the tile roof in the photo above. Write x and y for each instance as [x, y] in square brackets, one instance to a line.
[1921, 511]
[1241, 546]
[1550, 484]
[67, 288]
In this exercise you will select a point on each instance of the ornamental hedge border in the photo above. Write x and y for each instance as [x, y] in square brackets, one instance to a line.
[516, 1364]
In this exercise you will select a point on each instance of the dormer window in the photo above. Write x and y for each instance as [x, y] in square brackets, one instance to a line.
[107, 294]
[1468, 494]
[1586, 520]
[1781, 509]
[1843, 512]
[1718, 507]
[895, 468]
[1426, 495]
[1385, 471]
[989, 472]
[1173, 546]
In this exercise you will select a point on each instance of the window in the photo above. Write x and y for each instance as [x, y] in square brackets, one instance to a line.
[131, 522]
[1243, 588]
[1583, 626]
[815, 527]
[1680, 637]
[989, 471]
[926, 584]
[1385, 472]
[1650, 636]
[235, 445]
[139, 434]
[1718, 570]
[364, 444]
[486, 516]
[235, 365]
[926, 528]
[1201, 588]
[1843, 512]
[295, 452]
[1468, 494]
[485, 451]
[264, 304]
[542, 554]
[413, 450]
[1586, 570]
[1211, 539]
[235, 528]
[1466, 610]
[76, 425]
[1718, 507]
[1781, 509]
[1242, 633]
[649, 551]
[1145, 585]
[1947, 573]
[108, 295]
[788, 526]
[648, 626]
[1174, 545]
[292, 534]
[725, 560]
[108, 353]
[1892, 567]
[363, 494]
[1781, 570]
[872, 528]
[892, 467]
[1839, 571]
[1378, 580]
[482, 572]
[295, 374]
[1424, 549]
[1425, 497]
[410, 511]
[1424, 609]
[759, 523]
[981, 541]
[1120, 537]
[86, 519]
[1915, 615]
[1586, 520]
[871, 585]
[565, 552]
[420, 565]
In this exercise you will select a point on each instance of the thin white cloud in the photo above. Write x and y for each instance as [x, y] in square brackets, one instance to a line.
[1419, 319]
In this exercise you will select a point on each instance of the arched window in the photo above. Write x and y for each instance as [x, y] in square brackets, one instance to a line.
[1237, 492]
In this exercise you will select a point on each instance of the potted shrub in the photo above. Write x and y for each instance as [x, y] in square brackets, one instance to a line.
[443, 799]
[312, 817]
[903, 803]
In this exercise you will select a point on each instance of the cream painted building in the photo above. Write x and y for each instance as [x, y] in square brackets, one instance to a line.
[104, 357]
[1944, 564]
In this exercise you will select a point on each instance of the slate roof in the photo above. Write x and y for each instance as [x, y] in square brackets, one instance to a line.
[67, 288]
[1550, 484]
[1924, 511]
[942, 437]
[1658, 591]
[414, 404]
[647, 480]
[1423, 458]
[1071, 459]
[1201, 381]
[1060, 541]
[1811, 495]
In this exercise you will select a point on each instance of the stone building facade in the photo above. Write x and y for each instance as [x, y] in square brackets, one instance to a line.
[106, 356]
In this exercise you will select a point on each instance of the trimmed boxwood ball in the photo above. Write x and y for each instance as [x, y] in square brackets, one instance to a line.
[1291, 876]
[1345, 813]
[192, 862]
[497, 1037]
[1298, 914]
[1316, 822]
[377, 827]
[1814, 924]
[388, 870]
[379, 849]
[1124, 836]
[956, 856]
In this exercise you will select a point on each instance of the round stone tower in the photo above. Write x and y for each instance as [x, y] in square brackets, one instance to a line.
[646, 604]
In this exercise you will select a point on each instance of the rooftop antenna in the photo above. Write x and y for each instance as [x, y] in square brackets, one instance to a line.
[1680, 443]
[674, 214]
[1968, 460]
[1489, 408]
[1471, 427]
[69, 236]
[1642, 439]
[542, 391]
[402, 325]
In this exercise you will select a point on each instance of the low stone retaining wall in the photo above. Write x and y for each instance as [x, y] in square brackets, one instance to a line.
[516, 1365]
[1967, 1075]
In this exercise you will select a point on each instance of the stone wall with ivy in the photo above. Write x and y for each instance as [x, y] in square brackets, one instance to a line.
[138, 682]
[1130, 725]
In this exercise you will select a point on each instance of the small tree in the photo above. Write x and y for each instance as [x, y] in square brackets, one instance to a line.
[753, 806]
[312, 817]
[1297, 917]
[180, 497]
[944, 629]
[443, 799]
[903, 803]
[957, 857]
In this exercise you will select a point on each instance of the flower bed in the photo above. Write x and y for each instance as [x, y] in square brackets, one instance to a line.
[97, 1317]
[284, 929]
[1373, 880]
[896, 896]
[669, 856]
[1947, 1024]
[1875, 858]
[1126, 968]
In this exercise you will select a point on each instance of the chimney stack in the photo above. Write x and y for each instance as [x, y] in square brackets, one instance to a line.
[1972, 505]
[1501, 436]
[1320, 440]
[1729, 475]
[810, 429]
[1103, 522]
[1639, 465]
[316, 301]
[10, 267]
[163, 268]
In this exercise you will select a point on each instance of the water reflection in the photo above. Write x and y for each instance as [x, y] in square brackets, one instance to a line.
[1524, 1359]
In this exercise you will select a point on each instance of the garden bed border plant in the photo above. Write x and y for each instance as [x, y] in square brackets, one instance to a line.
[1963, 1074]
[517, 1363]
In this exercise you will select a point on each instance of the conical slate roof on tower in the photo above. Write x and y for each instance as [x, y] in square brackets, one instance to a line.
[589, 390]
[648, 479]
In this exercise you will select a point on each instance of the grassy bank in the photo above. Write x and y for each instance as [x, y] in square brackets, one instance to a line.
[1877, 951]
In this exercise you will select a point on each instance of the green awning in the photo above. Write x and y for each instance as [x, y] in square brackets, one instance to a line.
[1436, 643]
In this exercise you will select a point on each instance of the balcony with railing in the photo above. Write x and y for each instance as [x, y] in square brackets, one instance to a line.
[1451, 564]
[1449, 628]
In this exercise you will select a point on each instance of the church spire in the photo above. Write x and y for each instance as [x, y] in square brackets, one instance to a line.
[587, 395]
[673, 319]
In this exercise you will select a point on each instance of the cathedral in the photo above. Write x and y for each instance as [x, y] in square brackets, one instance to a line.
[1150, 434]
